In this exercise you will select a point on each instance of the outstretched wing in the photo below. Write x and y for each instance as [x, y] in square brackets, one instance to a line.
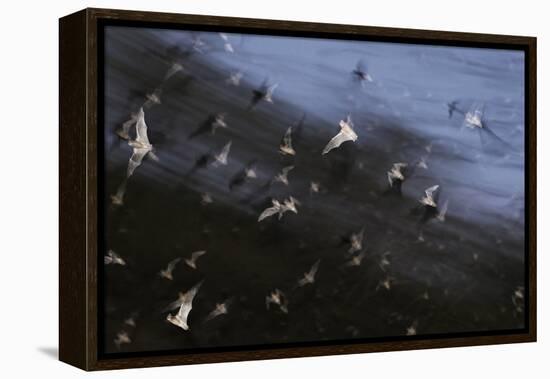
[141, 128]
[173, 305]
[172, 264]
[124, 132]
[314, 268]
[269, 212]
[174, 69]
[183, 313]
[361, 234]
[197, 254]
[336, 141]
[271, 89]
[287, 138]
[215, 313]
[430, 191]
[443, 211]
[399, 166]
[391, 176]
[222, 157]
[186, 298]
[287, 169]
[190, 295]
[293, 200]
[135, 160]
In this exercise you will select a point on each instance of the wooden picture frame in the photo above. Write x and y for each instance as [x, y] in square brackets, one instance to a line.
[80, 159]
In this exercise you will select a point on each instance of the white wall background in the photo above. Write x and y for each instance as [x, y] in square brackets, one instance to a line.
[29, 177]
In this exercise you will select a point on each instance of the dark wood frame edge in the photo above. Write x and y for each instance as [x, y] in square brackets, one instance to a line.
[78, 199]
[73, 304]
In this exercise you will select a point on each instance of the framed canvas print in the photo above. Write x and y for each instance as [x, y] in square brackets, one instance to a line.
[237, 189]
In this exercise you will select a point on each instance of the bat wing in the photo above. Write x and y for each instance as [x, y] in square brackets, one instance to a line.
[315, 268]
[135, 160]
[430, 191]
[287, 138]
[215, 313]
[124, 132]
[172, 264]
[225, 152]
[268, 212]
[184, 311]
[172, 305]
[197, 254]
[287, 169]
[141, 128]
[190, 295]
[336, 141]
